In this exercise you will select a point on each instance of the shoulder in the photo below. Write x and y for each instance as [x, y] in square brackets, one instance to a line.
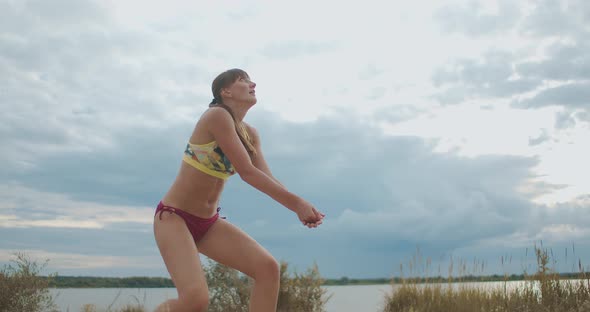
[217, 114]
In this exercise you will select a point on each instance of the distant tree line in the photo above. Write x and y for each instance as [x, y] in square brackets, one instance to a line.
[157, 282]
[109, 282]
[437, 279]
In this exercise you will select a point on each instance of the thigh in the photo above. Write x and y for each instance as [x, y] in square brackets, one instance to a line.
[232, 247]
[180, 253]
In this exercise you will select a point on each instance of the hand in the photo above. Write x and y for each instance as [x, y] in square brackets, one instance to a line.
[308, 215]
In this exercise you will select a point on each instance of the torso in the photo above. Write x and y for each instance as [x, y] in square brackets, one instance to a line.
[195, 191]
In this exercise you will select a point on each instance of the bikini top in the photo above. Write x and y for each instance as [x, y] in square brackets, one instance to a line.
[208, 158]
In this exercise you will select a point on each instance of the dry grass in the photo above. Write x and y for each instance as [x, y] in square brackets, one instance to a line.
[230, 291]
[543, 291]
[21, 288]
[127, 308]
[302, 292]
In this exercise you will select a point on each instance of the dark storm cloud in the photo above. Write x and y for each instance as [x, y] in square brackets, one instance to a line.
[112, 242]
[385, 192]
[67, 67]
[379, 192]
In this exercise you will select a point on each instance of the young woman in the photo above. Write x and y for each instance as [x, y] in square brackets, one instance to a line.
[187, 220]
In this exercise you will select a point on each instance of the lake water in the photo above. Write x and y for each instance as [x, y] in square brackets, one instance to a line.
[344, 298]
[366, 298]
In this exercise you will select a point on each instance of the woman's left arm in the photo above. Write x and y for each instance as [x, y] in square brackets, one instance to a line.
[258, 160]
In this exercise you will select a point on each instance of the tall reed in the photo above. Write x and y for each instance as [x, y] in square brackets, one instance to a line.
[543, 291]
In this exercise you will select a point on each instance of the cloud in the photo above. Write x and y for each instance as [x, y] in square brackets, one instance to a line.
[562, 61]
[393, 189]
[543, 137]
[544, 18]
[379, 192]
[574, 95]
[376, 93]
[93, 134]
[550, 69]
[64, 99]
[474, 19]
[557, 18]
[25, 207]
[370, 71]
[398, 113]
[76, 261]
[570, 212]
[292, 49]
[490, 77]
[583, 116]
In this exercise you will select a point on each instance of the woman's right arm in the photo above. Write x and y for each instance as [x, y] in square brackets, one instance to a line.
[221, 126]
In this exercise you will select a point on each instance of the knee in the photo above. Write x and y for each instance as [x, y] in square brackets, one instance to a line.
[268, 269]
[195, 299]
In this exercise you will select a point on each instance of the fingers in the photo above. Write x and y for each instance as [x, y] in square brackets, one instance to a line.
[313, 224]
[314, 220]
[318, 214]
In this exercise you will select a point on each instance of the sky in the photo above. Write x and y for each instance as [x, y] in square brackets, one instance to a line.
[455, 131]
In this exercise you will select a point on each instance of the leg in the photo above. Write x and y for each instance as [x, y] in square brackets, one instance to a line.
[230, 246]
[181, 257]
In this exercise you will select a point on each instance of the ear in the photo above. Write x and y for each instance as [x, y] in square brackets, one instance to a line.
[226, 93]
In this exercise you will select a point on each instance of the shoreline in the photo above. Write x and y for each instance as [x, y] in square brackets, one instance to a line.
[160, 282]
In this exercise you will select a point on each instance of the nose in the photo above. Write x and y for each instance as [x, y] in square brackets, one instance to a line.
[253, 84]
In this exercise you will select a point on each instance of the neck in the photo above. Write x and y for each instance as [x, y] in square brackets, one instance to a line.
[239, 111]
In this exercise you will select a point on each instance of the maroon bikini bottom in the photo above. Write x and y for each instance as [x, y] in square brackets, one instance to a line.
[196, 225]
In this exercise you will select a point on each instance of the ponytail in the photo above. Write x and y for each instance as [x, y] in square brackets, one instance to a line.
[241, 129]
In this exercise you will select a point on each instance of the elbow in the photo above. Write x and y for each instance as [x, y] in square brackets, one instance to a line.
[247, 174]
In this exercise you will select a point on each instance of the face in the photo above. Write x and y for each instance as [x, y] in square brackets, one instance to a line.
[242, 91]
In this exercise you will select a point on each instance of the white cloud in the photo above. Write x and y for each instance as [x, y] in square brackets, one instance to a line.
[25, 207]
[60, 260]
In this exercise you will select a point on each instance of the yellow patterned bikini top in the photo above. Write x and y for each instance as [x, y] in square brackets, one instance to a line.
[209, 158]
